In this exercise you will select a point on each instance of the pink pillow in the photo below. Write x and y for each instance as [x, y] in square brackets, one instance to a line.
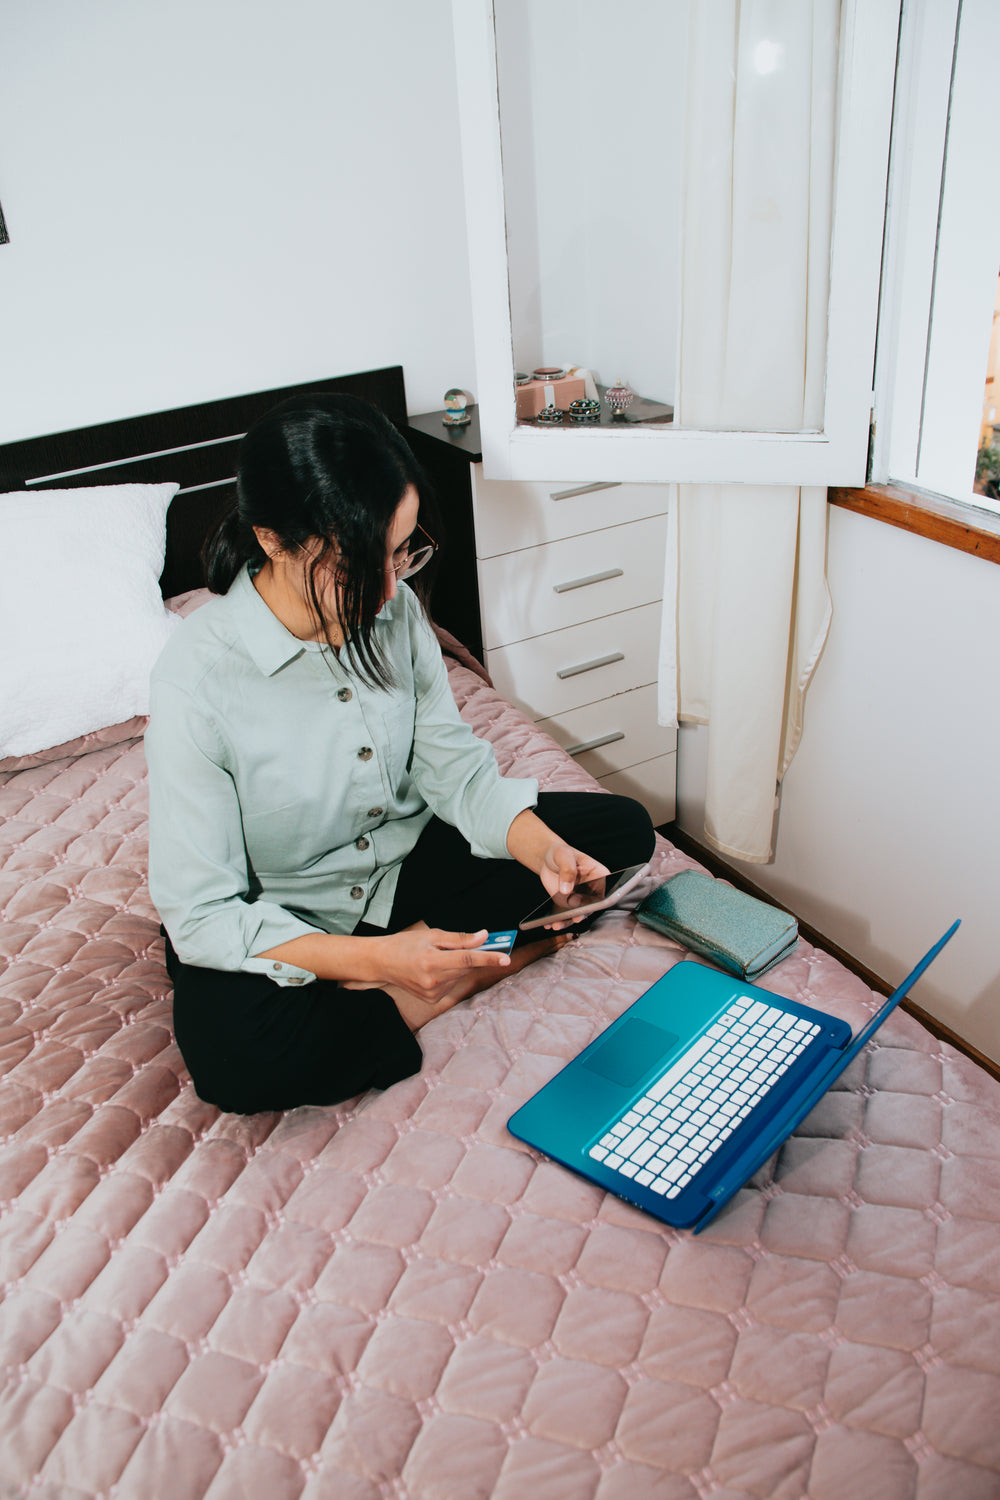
[114, 734]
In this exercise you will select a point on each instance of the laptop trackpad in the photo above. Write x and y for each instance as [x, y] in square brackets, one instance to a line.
[633, 1049]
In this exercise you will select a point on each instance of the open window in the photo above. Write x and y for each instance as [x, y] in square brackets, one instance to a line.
[584, 151]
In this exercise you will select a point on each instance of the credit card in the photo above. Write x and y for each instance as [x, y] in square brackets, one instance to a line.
[499, 942]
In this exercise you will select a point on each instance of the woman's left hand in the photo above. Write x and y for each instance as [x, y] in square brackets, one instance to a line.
[564, 867]
[557, 864]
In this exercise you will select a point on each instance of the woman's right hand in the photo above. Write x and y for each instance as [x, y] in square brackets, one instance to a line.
[428, 961]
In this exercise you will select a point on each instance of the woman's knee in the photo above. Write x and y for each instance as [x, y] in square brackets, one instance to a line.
[636, 827]
[614, 829]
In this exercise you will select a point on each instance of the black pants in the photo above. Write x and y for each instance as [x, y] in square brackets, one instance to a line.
[251, 1044]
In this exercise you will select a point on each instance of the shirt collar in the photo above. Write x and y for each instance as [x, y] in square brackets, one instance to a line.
[269, 643]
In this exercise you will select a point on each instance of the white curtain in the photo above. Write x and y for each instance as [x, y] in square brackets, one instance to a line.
[746, 564]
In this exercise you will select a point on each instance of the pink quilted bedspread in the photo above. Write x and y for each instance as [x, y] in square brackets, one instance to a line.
[394, 1298]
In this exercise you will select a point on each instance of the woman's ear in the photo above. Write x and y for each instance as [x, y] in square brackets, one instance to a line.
[269, 540]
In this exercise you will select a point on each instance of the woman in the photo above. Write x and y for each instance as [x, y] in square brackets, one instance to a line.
[329, 843]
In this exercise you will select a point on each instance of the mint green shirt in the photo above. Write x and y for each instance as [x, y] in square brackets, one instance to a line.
[285, 792]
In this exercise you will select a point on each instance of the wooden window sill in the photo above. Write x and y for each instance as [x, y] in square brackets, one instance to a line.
[949, 521]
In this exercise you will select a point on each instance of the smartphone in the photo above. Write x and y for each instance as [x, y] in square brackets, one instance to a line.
[593, 895]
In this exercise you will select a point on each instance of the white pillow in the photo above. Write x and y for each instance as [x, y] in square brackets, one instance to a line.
[81, 617]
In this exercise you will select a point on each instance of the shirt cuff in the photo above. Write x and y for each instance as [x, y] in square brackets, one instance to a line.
[280, 973]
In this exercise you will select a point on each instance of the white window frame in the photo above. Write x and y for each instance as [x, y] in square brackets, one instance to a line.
[836, 455]
[942, 251]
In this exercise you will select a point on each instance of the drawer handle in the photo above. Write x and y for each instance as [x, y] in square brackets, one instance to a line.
[583, 489]
[581, 583]
[588, 666]
[602, 739]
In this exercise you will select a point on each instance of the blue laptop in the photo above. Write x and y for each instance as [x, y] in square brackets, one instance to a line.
[685, 1095]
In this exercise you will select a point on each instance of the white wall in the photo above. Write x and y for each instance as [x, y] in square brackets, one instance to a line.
[890, 813]
[206, 197]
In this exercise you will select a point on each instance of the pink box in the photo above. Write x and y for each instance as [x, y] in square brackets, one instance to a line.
[531, 398]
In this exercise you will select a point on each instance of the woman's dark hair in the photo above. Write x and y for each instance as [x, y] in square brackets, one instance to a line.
[327, 466]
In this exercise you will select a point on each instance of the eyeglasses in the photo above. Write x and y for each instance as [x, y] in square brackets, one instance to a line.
[412, 561]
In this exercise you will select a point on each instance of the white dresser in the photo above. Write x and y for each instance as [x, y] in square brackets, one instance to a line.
[570, 589]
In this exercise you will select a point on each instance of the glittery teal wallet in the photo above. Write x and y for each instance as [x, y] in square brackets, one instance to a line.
[739, 933]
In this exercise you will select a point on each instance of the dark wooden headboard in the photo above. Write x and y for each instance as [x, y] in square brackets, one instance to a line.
[195, 446]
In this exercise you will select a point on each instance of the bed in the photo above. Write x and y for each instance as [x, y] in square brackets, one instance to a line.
[394, 1297]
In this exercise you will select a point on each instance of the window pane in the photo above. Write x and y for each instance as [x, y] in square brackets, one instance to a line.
[940, 287]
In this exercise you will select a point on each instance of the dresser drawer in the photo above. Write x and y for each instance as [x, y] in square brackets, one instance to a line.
[567, 668]
[653, 783]
[521, 513]
[564, 583]
[614, 733]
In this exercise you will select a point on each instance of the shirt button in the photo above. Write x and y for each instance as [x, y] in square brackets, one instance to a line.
[276, 968]
[296, 979]
[365, 753]
[345, 695]
[361, 844]
[375, 812]
[357, 891]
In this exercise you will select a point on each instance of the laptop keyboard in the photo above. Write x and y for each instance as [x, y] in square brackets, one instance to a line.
[666, 1136]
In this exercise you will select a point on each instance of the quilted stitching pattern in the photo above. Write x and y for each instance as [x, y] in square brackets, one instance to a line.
[396, 1299]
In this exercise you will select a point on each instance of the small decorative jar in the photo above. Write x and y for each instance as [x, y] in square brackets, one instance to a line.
[584, 411]
[619, 398]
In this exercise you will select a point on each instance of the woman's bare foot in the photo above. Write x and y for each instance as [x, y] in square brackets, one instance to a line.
[416, 1012]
